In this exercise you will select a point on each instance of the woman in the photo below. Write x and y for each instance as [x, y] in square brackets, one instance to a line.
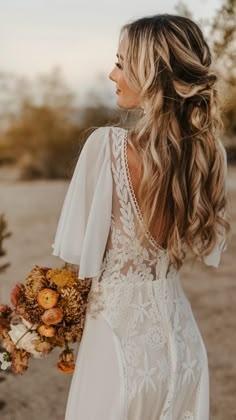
[141, 202]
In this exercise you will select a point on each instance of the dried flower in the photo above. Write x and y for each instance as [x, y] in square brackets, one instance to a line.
[43, 346]
[66, 362]
[35, 281]
[47, 331]
[33, 313]
[21, 310]
[5, 316]
[23, 336]
[8, 344]
[58, 340]
[45, 269]
[3, 332]
[47, 298]
[74, 333]
[72, 303]
[61, 278]
[19, 361]
[49, 311]
[5, 360]
[16, 294]
[52, 316]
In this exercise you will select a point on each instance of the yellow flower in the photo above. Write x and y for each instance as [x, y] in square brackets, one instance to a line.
[61, 277]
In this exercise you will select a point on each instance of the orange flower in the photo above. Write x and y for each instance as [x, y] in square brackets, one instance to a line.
[42, 346]
[66, 367]
[47, 331]
[47, 298]
[52, 316]
[66, 362]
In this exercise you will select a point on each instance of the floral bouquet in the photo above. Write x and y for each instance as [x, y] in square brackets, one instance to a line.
[49, 311]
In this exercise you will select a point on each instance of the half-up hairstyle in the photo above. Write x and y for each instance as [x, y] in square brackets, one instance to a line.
[182, 190]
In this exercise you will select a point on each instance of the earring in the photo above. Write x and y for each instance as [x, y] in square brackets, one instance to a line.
[144, 110]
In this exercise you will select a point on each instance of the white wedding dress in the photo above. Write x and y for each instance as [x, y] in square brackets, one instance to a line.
[141, 356]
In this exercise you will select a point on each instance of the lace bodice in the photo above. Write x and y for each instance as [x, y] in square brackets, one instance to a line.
[125, 254]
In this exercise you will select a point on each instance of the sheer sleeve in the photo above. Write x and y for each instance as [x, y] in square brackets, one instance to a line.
[85, 218]
[213, 259]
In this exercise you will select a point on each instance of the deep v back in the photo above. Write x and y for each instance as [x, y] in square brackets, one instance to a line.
[134, 171]
[125, 252]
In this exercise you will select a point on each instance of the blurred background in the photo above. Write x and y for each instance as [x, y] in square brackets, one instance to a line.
[54, 87]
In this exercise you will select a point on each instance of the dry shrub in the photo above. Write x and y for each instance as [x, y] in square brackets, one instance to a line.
[47, 142]
[43, 141]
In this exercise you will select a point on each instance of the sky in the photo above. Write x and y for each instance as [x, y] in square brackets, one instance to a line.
[78, 36]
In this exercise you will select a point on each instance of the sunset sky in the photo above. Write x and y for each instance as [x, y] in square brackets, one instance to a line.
[78, 36]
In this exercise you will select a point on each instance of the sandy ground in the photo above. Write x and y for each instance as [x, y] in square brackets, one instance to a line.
[32, 211]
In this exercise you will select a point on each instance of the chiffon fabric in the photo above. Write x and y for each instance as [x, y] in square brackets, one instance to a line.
[141, 356]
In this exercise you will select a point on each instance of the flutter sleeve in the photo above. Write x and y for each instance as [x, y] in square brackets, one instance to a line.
[85, 218]
[213, 259]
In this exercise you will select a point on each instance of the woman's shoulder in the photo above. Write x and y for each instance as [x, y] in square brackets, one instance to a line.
[102, 134]
[108, 128]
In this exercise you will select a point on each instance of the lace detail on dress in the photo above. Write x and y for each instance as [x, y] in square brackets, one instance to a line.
[145, 306]
[95, 300]
[126, 249]
[188, 416]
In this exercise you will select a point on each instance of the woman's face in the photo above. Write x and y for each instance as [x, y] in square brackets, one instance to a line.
[126, 97]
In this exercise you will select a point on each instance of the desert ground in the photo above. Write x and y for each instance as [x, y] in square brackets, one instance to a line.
[32, 210]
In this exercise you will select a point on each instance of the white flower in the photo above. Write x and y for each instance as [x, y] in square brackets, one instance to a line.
[188, 367]
[187, 416]
[155, 336]
[145, 375]
[140, 308]
[24, 338]
[4, 360]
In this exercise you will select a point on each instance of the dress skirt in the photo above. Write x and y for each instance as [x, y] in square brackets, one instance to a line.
[96, 389]
[124, 372]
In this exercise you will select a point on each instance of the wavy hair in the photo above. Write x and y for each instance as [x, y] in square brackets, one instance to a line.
[182, 191]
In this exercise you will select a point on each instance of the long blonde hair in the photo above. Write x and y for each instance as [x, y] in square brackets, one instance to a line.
[167, 61]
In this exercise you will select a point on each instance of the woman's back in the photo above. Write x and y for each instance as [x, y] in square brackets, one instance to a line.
[135, 171]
